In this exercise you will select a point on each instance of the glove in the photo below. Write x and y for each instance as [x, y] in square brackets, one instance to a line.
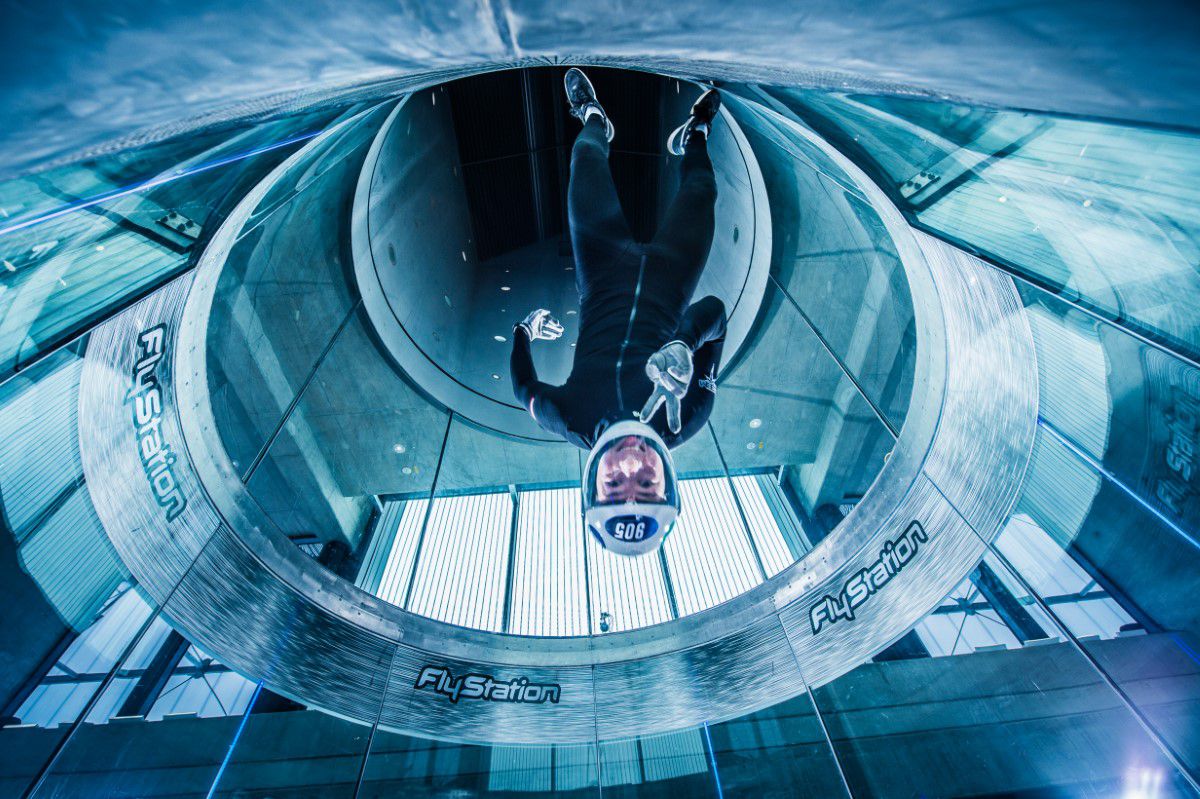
[670, 370]
[541, 325]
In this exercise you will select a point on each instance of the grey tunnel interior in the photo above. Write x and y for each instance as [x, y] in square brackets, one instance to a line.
[938, 537]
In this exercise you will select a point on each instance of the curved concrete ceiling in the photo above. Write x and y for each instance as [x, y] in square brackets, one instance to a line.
[81, 75]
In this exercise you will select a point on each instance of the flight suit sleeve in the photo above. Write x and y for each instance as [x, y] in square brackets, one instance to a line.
[703, 331]
[702, 323]
[538, 398]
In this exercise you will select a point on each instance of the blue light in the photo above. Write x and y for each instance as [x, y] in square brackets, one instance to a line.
[149, 184]
[212, 789]
[712, 756]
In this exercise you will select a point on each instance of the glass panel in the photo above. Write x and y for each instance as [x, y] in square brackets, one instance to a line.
[287, 751]
[774, 526]
[360, 430]
[284, 292]
[64, 691]
[128, 169]
[460, 577]
[833, 257]
[463, 574]
[39, 439]
[778, 752]
[45, 710]
[1004, 706]
[399, 539]
[667, 764]
[709, 555]
[549, 587]
[1077, 600]
[68, 612]
[80, 240]
[178, 755]
[965, 622]
[135, 685]
[478, 459]
[1110, 570]
[1101, 212]
[203, 688]
[1104, 529]
[498, 489]
[60, 545]
[790, 410]
[626, 593]
[1073, 204]
[401, 765]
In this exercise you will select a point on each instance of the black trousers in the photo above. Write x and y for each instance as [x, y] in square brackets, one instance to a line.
[604, 247]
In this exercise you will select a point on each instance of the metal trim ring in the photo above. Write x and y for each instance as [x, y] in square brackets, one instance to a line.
[236, 587]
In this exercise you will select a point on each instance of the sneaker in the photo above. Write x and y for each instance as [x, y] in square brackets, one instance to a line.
[704, 111]
[582, 97]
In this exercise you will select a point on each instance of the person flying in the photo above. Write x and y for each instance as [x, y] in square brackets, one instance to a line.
[643, 344]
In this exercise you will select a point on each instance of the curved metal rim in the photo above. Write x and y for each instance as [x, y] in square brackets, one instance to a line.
[296, 570]
[783, 597]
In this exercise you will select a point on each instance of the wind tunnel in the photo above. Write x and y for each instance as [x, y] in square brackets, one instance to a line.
[275, 524]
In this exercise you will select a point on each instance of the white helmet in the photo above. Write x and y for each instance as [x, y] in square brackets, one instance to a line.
[630, 527]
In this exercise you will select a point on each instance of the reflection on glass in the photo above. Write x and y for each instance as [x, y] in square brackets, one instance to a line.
[1004, 704]
[292, 262]
[658, 765]
[44, 503]
[1078, 601]
[78, 241]
[285, 750]
[201, 687]
[835, 260]
[1109, 572]
[63, 692]
[1102, 213]
[400, 765]
[965, 622]
[1104, 530]
[778, 752]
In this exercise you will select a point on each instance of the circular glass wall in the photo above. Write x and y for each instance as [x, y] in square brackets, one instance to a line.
[359, 338]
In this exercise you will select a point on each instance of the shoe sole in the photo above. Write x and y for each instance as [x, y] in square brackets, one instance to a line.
[587, 81]
[675, 142]
[609, 130]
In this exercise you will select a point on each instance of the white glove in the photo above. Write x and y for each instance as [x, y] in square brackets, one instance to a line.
[541, 325]
[670, 370]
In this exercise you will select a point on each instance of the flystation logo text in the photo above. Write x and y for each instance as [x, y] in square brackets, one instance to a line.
[145, 398]
[486, 688]
[894, 556]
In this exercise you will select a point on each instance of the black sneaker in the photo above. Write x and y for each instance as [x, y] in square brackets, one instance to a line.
[582, 96]
[704, 111]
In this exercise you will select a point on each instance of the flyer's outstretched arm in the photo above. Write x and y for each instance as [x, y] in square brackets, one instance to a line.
[533, 394]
